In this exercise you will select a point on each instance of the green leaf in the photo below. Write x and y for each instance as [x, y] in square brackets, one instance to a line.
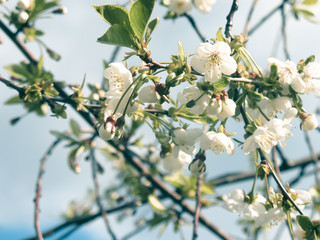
[151, 26]
[14, 100]
[305, 223]
[156, 205]
[219, 35]
[139, 15]
[222, 83]
[114, 14]
[76, 130]
[118, 35]
[289, 220]
[181, 52]
[306, 13]
[310, 2]
[18, 70]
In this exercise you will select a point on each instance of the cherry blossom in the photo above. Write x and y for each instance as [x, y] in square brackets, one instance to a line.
[217, 142]
[213, 60]
[204, 6]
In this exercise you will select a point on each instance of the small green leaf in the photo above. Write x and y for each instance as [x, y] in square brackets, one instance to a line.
[306, 13]
[76, 130]
[139, 14]
[14, 100]
[219, 35]
[18, 70]
[309, 2]
[151, 26]
[181, 52]
[156, 205]
[305, 223]
[118, 35]
[222, 83]
[289, 220]
[114, 14]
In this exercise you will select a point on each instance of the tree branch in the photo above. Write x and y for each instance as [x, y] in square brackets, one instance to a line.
[39, 188]
[98, 197]
[284, 31]
[197, 209]
[246, 26]
[265, 18]
[234, 8]
[194, 26]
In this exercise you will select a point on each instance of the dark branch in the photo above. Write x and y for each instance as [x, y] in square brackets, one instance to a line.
[194, 26]
[197, 209]
[234, 8]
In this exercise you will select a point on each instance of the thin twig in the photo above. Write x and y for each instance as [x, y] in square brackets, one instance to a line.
[284, 31]
[18, 43]
[246, 26]
[39, 187]
[234, 8]
[265, 18]
[88, 218]
[194, 26]
[275, 162]
[313, 156]
[68, 233]
[13, 85]
[94, 168]
[197, 209]
[134, 232]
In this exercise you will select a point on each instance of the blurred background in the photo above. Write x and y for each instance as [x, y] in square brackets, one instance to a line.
[74, 36]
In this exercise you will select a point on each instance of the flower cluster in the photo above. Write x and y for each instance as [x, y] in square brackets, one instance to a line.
[264, 213]
[184, 6]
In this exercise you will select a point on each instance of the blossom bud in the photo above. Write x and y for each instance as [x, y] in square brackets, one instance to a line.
[197, 167]
[61, 10]
[163, 138]
[107, 130]
[24, 4]
[309, 122]
[23, 17]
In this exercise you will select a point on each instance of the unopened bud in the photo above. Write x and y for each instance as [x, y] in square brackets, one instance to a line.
[309, 122]
[60, 10]
[197, 167]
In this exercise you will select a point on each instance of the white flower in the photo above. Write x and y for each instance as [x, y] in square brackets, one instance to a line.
[213, 60]
[107, 130]
[23, 17]
[193, 93]
[270, 218]
[148, 94]
[228, 109]
[176, 160]
[301, 197]
[204, 6]
[119, 78]
[115, 102]
[180, 6]
[310, 122]
[271, 107]
[268, 135]
[3, 1]
[214, 107]
[24, 4]
[217, 142]
[185, 140]
[288, 74]
[237, 203]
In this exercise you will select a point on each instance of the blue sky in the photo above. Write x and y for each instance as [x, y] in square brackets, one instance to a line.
[74, 36]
